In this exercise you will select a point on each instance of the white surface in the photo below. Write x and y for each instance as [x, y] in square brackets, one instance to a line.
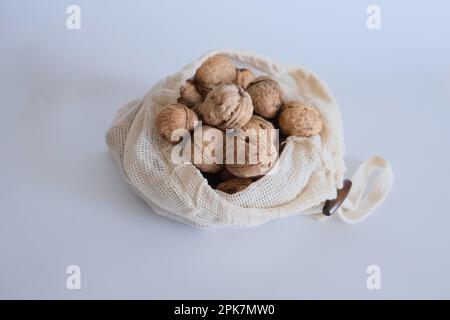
[63, 201]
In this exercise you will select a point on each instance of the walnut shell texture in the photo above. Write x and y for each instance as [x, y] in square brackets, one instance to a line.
[244, 77]
[189, 95]
[258, 158]
[205, 151]
[258, 124]
[226, 106]
[297, 119]
[234, 185]
[173, 117]
[214, 71]
[266, 96]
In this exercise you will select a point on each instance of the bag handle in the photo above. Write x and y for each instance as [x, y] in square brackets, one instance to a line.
[359, 203]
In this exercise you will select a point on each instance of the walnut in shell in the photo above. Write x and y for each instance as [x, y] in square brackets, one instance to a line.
[262, 127]
[173, 117]
[246, 157]
[207, 150]
[234, 185]
[244, 77]
[224, 175]
[214, 71]
[266, 96]
[189, 95]
[297, 119]
[226, 106]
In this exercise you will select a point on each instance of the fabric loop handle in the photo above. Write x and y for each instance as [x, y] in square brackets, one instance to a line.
[360, 203]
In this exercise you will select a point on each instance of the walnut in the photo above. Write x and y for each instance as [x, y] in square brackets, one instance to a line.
[196, 108]
[244, 77]
[258, 124]
[173, 117]
[189, 95]
[246, 157]
[234, 185]
[226, 106]
[297, 119]
[224, 175]
[214, 71]
[266, 96]
[207, 151]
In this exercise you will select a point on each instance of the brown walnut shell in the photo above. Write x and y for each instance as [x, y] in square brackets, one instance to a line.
[173, 117]
[266, 96]
[226, 106]
[234, 185]
[297, 119]
[244, 77]
[214, 71]
[246, 157]
[189, 95]
[207, 151]
[262, 127]
[224, 175]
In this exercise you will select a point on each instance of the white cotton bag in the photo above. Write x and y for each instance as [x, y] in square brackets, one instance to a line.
[309, 170]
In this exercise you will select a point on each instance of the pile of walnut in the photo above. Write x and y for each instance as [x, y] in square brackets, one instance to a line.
[224, 97]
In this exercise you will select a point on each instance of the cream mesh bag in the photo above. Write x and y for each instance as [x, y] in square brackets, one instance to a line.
[309, 169]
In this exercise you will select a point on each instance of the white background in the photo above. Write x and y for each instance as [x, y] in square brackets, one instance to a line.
[63, 201]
